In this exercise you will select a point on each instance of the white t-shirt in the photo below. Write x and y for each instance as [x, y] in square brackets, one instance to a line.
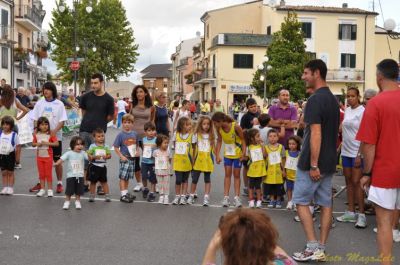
[54, 111]
[350, 126]
[263, 133]
[121, 104]
[6, 144]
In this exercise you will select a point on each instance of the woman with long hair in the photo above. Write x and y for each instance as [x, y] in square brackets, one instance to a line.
[161, 114]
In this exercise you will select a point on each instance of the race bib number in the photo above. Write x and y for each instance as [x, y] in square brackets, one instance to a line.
[274, 158]
[291, 163]
[132, 150]
[230, 149]
[147, 151]
[161, 162]
[48, 114]
[256, 155]
[180, 148]
[5, 147]
[77, 167]
[100, 152]
[204, 145]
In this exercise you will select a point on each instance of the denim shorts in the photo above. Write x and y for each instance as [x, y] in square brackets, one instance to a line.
[307, 190]
[228, 162]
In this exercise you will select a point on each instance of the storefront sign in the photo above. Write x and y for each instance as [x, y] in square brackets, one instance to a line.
[242, 89]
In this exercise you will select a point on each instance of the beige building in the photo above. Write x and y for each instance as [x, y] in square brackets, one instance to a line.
[6, 40]
[120, 89]
[345, 38]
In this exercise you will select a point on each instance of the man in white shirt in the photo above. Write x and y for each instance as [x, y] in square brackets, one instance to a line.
[121, 104]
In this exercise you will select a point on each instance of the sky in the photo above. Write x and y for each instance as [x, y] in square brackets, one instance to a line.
[160, 25]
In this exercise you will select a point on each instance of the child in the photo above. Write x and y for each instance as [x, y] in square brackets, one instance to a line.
[125, 146]
[182, 158]
[97, 171]
[147, 166]
[292, 157]
[182, 112]
[204, 159]
[232, 136]
[75, 167]
[257, 154]
[9, 149]
[162, 167]
[273, 183]
[44, 155]
[263, 128]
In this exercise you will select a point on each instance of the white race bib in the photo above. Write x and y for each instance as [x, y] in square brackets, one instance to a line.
[100, 152]
[180, 148]
[256, 155]
[230, 149]
[132, 150]
[48, 114]
[161, 162]
[147, 151]
[5, 147]
[204, 145]
[291, 163]
[77, 167]
[274, 158]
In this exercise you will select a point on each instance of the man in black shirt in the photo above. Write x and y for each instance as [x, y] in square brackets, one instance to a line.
[317, 162]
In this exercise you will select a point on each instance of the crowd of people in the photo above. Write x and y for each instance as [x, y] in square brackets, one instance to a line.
[284, 152]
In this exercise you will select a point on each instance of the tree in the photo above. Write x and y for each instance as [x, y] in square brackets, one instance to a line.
[106, 28]
[287, 57]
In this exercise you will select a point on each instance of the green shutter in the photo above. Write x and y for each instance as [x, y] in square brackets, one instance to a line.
[340, 31]
[352, 61]
[342, 60]
[353, 32]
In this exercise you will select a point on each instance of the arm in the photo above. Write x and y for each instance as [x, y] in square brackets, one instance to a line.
[59, 162]
[282, 132]
[17, 152]
[315, 146]
[239, 132]
[21, 107]
[118, 152]
[368, 151]
[153, 114]
[176, 118]
[58, 127]
[210, 256]
[218, 148]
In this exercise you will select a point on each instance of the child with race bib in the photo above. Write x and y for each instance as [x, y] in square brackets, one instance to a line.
[257, 168]
[204, 158]
[273, 183]
[292, 157]
[147, 166]
[163, 167]
[235, 147]
[182, 158]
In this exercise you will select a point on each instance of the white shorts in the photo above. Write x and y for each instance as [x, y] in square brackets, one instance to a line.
[385, 198]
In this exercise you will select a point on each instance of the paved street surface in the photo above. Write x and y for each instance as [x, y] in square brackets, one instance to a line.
[142, 232]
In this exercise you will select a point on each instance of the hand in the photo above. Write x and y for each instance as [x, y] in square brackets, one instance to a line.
[243, 158]
[357, 162]
[39, 144]
[218, 159]
[53, 132]
[365, 182]
[284, 174]
[123, 158]
[315, 175]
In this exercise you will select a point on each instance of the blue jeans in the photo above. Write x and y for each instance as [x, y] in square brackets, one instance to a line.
[119, 119]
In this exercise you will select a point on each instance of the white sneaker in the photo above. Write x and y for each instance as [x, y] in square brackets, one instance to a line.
[375, 229]
[138, 187]
[18, 166]
[161, 199]
[225, 201]
[238, 202]
[157, 188]
[259, 204]
[183, 200]
[4, 191]
[251, 204]
[190, 200]
[396, 236]
[40, 193]
[10, 191]
[176, 200]
[206, 200]
[50, 193]
[78, 205]
[166, 200]
[289, 205]
[66, 205]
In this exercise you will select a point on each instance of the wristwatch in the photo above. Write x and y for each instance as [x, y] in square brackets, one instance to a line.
[314, 167]
[368, 174]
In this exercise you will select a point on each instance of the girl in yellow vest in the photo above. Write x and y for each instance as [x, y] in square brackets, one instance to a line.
[257, 168]
[204, 157]
[235, 148]
[273, 183]
[182, 158]
[292, 157]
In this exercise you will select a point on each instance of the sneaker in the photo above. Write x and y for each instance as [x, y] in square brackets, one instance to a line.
[66, 205]
[347, 217]
[138, 187]
[278, 205]
[271, 204]
[176, 200]
[238, 202]
[126, 199]
[309, 254]
[206, 200]
[50, 193]
[40, 193]
[195, 196]
[225, 201]
[251, 204]
[161, 199]
[166, 200]
[265, 200]
[289, 205]
[151, 197]
[396, 236]
[259, 204]
[10, 191]
[145, 192]
[107, 198]
[361, 221]
[190, 200]
[245, 191]
[4, 191]
[297, 219]
[183, 200]
[131, 196]
[59, 188]
[91, 197]
[375, 229]
[100, 191]
[157, 188]
[18, 166]
[78, 205]
[35, 188]
[317, 208]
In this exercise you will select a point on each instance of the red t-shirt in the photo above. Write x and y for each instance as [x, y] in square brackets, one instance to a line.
[380, 126]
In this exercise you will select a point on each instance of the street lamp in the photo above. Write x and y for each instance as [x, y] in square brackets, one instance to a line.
[264, 67]
[389, 25]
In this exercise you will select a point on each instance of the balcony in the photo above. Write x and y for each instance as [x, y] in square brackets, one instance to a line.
[42, 73]
[345, 76]
[205, 77]
[5, 33]
[29, 17]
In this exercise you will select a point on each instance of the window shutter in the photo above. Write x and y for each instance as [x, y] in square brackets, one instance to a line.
[342, 60]
[340, 31]
[352, 61]
[353, 32]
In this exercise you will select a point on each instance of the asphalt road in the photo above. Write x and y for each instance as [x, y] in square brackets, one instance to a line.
[37, 231]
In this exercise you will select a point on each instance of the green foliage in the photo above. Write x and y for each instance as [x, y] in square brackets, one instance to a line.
[105, 28]
[287, 57]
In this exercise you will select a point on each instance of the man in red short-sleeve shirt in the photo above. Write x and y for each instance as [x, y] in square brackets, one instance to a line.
[380, 134]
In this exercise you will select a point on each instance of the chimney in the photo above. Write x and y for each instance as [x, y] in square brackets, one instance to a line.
[282, 3]
[345, 5]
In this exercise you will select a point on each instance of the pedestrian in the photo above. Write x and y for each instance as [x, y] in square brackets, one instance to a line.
[9, 147]
[263, 128]
[292, 158]
[349, 152]
[126, 148]
[23, 99]
[182, 164]
[368, 94]
[161, 115]
[182, 112]
[53, 109]
[218, 106]
[163, 167]
[257, 167]
[121, 106]
[44, 141]
[205, 108]
[98, 154]
[317, 161]
[378, 132]
[203, 158]
[235, 149]
[75, 159]
[148, 161]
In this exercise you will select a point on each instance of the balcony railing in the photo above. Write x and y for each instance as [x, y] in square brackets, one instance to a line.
[207, 74]
[345, 75]
[183, 61]
[28, 12]
[5, 32]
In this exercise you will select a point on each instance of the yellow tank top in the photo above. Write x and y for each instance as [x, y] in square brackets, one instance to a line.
[233, 143]
[290, 173]
[204, 159]
[183, 153]
[274, 159]
[257, 167]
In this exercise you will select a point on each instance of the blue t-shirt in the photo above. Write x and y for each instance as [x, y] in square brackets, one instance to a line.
[75, 163]
[149, 145]
[126, 142]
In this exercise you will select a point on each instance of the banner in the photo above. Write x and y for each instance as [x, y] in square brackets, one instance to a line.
[73, 121]
[24, 129]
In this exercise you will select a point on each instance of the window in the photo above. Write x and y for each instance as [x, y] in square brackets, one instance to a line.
[243, 61]
[311, 55]
[4, 57]
[20, 36]
[306, 28]
[269, 30]
[347, 60]
[347, 32]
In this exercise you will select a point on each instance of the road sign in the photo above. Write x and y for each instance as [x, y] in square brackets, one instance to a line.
[74, 66]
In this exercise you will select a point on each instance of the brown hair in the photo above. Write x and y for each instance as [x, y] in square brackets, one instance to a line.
[211, 135]
[7, 96]
[297, 139]
[249, 136]
[160, 139]
[128, 117]
[248, 237]
[220, 116]
[181, 123]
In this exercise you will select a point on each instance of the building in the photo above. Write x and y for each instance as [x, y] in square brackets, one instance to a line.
[6, 39]
[157, 77]
[345, 38]
[31, 44]
[120, 89]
